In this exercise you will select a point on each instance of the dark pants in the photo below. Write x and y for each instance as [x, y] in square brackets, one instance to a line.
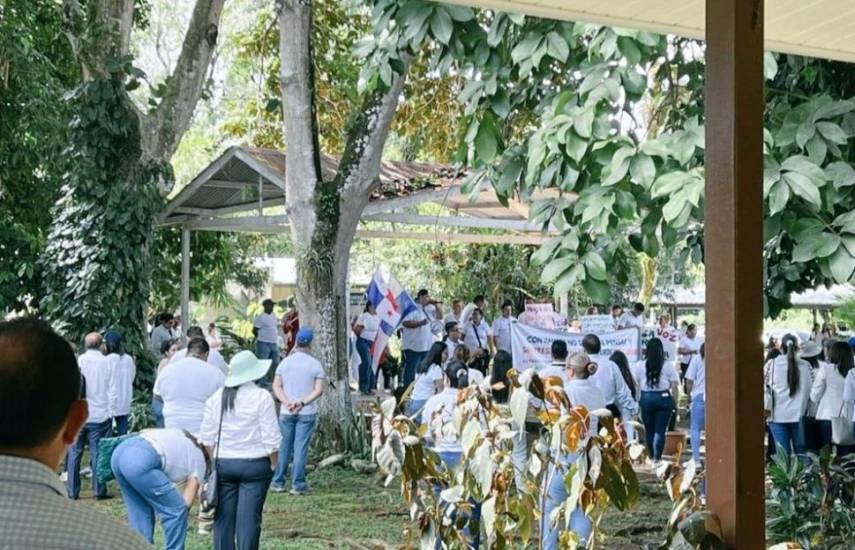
[91, 433]
[825, 434]
[121, 424]
[366, 371]
[242, 487]
[656, 409]
[812, 434]
[411, 361]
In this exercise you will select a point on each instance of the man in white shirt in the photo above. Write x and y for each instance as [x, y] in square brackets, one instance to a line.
[456, 312]
[299, 381]
[214, 356]
[265, 328]
[479, 340]
[97, 373]
[416, 336]
[185, 385]
[633, 318]
[610, 381]
[452, 337]
[161, 333]
[502, 327]
[696, 388]
[558, 367]
[690, 345]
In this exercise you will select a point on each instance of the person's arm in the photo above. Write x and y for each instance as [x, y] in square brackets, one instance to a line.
[689, 384]
[818, 387]
[675, 392]
[416, 324]
[191, 488]
[358, 328]
[271, 436]
[279, 391]
[209, 426]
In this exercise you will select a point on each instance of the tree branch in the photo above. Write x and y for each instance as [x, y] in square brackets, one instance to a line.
[165, 127]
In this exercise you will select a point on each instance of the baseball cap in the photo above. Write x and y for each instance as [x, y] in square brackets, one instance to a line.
[305, 336]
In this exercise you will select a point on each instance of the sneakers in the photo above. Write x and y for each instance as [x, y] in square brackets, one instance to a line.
[295, 492]
[277, 489]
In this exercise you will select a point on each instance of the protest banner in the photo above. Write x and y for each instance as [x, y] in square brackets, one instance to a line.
[597, 324]
[542, 315]
[532, 346]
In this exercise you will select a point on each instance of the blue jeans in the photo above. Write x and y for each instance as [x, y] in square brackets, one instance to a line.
[147, 491]
[556, 494]
[157, 411]
[366, 372]
[473, 523]
[411, 361]
[788, 435]
[414, 406]
[267, 350]
[297, 432]
[91, 433]
[656, 408]
[241, 490]
[121, 424]
[698, 423]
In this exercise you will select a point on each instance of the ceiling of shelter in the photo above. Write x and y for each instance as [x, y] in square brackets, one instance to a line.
[816, 28]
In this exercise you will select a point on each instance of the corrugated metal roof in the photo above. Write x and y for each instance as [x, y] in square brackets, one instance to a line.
[816, 28]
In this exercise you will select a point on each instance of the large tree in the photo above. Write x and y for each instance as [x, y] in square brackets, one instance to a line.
[97, 262]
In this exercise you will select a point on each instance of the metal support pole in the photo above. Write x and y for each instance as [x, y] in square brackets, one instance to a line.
[185, 278]
[734, 268]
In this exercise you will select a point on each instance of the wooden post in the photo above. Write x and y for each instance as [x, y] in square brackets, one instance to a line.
[185, 278]
[734, 268]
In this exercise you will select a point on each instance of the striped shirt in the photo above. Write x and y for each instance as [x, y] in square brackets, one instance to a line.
[36, 515]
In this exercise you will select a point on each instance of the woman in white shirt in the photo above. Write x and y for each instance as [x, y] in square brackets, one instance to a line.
[828, 387]
[580, 390]
[428, 381]
[658, 382]
[696, 387]
[122, 381]
[241, 430]
[148, 466]
[365, 328]
[790, 385]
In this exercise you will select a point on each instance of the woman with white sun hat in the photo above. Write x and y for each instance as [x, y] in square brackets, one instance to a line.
[241, 429]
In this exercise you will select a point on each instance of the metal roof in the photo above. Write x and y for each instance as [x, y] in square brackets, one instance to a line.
[815, 28]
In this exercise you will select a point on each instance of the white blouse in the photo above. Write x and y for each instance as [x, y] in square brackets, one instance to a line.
[667, 376]
[789, 409]
[122, 383]
[827, 392]
[250, 430]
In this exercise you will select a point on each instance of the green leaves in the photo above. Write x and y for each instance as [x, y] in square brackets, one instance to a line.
[556, 47]
[441, 24]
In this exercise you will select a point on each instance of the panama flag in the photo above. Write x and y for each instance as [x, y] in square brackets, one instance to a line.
[392, 304]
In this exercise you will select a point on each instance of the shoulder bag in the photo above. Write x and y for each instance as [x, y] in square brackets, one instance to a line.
[103, 468]
[842, 429]
[208, 494]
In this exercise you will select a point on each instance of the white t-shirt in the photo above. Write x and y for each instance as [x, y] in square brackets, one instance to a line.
[419, 338]
[502, 332]
[370, 325]
[693, 344]
[122, 384]
[588, 394]
[697, 373]
[425, 384]
[666, 377]
[452, 346]
[268, 328]
[554, 369]
[630, 320]
[184, 387]
[451, 317]
[182, 459]
[98, 373]
[438, 414]
[477, 337]
[298, 372]
[476, 378]
[215, 358]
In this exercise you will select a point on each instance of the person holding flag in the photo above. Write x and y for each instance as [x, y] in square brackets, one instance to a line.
[391, 304]
[417, 335]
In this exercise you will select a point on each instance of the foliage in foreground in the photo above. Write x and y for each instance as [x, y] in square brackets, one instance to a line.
[440, 499]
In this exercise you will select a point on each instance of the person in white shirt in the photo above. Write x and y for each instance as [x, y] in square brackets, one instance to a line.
[608, 378]
[438, 415]
[428, 380]
[558, 367]
[98, 374]
[688, 348]
[239, 426]
[790, 384]
[452, 338]
[633, 318]
[416, 336]
[834, 387]
[299, 382]
[365, 328]
[213, 337]
[580, 390]
[617, 313]
[696, 387]
[479, 340]
[502, 327]
[122, 382]
[162, 333]
[185, 386]
[659, 384]
[215, 358]
[265, 328]
[148, 467]
[456, 312]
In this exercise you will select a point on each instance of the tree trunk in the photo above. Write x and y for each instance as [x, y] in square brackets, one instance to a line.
[648, 279]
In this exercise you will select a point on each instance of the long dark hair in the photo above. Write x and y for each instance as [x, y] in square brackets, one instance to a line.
[457, 373]
[841, 356]
[772, 354]
[619, 359]
[228, 398]
[791, 347]
[654, 361]
[433, 357]
[502, 363]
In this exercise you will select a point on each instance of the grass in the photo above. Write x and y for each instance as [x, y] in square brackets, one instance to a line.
[349, 510]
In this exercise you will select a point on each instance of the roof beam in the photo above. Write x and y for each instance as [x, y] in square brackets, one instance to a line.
[197, 182]
[436, 195]
[255, 224]
[195, 211]
[261, 168]
[454, 221]
[448, 238]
